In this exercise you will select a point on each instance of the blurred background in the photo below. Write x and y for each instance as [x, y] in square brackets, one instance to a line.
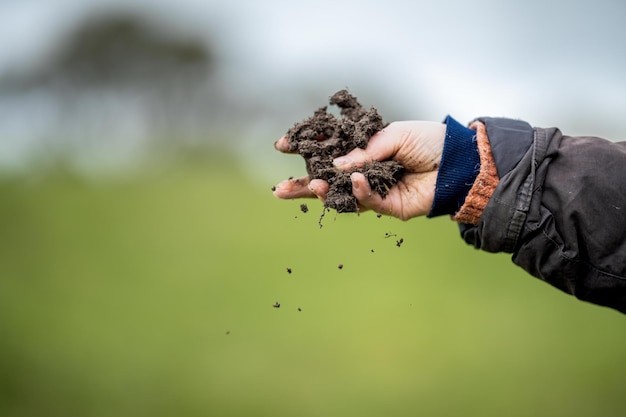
[141, 250]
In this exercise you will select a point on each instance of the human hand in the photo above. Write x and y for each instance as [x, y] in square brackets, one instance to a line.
[417, 145]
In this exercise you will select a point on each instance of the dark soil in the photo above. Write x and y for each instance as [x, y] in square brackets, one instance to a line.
[399, 242]
[323, 137]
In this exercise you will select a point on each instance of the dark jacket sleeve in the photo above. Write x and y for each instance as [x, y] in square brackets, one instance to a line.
[560, 209]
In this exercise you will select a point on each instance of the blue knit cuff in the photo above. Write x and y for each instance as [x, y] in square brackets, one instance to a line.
[460, 164]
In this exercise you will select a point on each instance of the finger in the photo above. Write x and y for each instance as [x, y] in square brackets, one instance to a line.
[294, 188]
[367, 198]
[282, 145]
[319, 188]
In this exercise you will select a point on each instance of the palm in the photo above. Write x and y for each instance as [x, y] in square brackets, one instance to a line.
[411, 197]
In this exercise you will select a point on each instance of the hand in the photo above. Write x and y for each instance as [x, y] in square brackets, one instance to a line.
[416, 145]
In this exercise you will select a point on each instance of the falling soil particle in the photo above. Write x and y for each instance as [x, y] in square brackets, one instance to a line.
[399, 242]
[276, 305]
[299, 309]
[340, 266]
[304, 208]
[289, 270]
[274, 188]
[323, 137]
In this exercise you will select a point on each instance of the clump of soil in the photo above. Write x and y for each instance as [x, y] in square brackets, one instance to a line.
[323, 137]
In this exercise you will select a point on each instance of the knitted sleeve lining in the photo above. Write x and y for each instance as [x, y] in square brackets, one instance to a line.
[485, 182]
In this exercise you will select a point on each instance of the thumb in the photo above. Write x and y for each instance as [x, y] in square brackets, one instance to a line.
[355, 158]
[380, 147]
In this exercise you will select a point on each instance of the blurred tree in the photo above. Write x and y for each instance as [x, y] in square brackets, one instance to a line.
[124, 49]
[121, 50]
[116, 81]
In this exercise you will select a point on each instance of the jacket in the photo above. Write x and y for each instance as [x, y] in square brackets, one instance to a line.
[559, 208]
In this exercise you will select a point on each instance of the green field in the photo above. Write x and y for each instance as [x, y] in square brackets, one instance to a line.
[152, 296]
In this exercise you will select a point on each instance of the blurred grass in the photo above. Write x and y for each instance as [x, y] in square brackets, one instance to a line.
[153, 297]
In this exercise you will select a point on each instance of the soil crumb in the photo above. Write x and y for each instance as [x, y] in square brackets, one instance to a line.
[276, 305]
[323, 137]
[289, 270]
[304, 208]
[340, 266]
[399, 242]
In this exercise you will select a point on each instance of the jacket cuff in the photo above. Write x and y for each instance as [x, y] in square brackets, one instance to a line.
[485, 183]
[460, 164]
[509, 140]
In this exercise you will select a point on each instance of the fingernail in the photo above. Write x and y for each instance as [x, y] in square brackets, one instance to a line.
[342, 161]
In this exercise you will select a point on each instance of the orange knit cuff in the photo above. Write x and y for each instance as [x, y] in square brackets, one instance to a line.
[485, 183]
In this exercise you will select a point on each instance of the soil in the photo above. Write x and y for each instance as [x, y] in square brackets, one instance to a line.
[323, 137]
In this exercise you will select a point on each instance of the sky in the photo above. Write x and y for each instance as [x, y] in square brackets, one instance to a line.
[552, 63]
